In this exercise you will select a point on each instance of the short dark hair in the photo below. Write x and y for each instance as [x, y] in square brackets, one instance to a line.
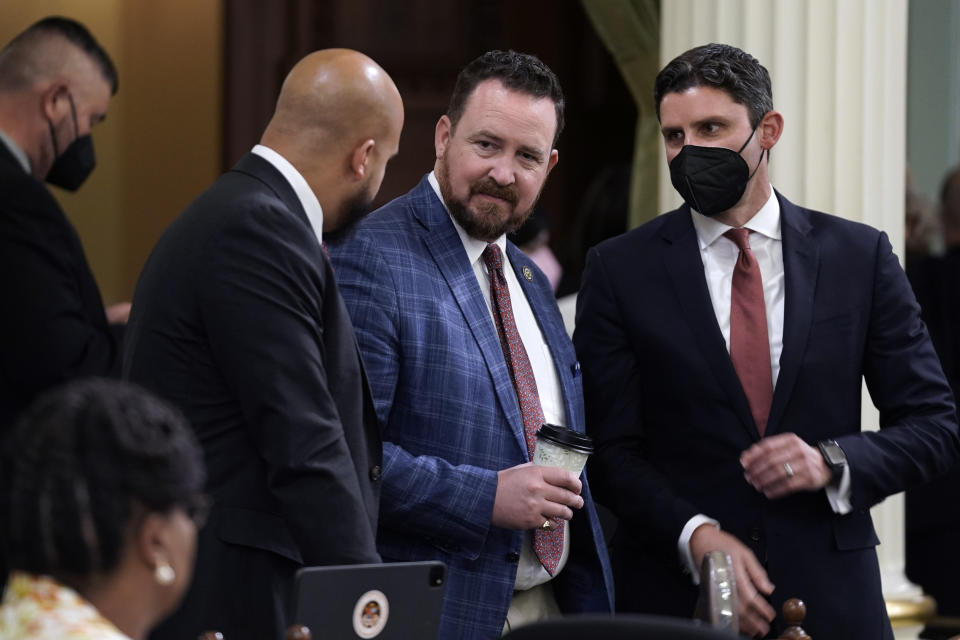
[76, 34]
[517, 71]
[721, 66]
[79, 468]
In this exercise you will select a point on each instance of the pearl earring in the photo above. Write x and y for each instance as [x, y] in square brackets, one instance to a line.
[164, 573]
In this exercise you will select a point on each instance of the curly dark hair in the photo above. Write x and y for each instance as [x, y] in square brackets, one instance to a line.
[723, 67]
[517, 71]
[79, 469]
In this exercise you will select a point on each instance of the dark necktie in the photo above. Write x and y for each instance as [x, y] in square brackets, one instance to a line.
[749, 341]
[548, 544]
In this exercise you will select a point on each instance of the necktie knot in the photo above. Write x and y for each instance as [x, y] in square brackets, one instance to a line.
[492, 257]
[739, 238]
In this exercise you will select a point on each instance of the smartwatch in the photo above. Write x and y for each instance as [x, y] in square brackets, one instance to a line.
[834, 457]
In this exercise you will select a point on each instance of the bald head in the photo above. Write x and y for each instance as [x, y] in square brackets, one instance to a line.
[338, 121]
[334, 97]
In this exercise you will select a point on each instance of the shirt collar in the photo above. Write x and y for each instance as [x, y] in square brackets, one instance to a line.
[15, 149]
[473, 246]
[765, 222]
[308, 199]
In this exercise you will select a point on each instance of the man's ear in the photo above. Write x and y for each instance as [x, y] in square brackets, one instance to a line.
[50, 99]
[552, 161]
[770, 129]
[441, 137]
[360, 158]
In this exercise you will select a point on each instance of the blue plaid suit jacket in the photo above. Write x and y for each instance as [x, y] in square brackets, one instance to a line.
[449, 413]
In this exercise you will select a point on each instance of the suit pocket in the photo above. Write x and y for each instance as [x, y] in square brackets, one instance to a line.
[258, 530]
[855, 531]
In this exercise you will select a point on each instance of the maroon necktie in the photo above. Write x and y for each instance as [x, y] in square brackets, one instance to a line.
[548, 544]
[749, 341]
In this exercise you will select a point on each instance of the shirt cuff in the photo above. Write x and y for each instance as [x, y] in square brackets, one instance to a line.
[839, 495]
[683, 544]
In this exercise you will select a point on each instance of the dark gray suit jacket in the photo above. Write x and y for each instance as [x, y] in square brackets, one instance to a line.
[237, 319]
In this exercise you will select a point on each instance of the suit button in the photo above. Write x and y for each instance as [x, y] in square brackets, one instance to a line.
[513, 556]
[755, 534]
[375, 473]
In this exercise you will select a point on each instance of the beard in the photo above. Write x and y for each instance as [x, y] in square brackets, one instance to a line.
[490, 220]
[354, 210]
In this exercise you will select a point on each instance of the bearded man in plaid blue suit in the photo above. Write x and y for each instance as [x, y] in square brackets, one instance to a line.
[466, 352]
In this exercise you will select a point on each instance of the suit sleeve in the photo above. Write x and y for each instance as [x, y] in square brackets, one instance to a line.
[262, 306]
[448, 505]
[50, 334]
[917, 440]
[620, 474]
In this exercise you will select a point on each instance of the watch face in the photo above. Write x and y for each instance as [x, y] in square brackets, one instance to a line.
[832, 453]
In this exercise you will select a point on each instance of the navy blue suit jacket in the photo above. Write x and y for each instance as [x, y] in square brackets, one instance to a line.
[671, 419]
[449, 414]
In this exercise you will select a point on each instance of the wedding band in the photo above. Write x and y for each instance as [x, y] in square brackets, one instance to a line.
[546, 524]
[788, 469]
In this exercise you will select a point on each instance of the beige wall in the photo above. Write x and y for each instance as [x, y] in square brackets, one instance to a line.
[160, 145]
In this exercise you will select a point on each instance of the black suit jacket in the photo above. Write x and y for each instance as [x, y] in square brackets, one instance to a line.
[53, 327]
[670, 418]
[237, 319]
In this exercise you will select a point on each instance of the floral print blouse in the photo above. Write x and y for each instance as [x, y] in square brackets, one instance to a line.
[40, 608]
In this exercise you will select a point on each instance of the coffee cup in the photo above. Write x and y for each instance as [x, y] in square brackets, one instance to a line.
[562, 447]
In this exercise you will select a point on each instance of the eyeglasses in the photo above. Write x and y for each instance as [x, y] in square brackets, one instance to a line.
[197, 508]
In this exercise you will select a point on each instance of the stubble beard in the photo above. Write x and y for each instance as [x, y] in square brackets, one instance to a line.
[354, 210]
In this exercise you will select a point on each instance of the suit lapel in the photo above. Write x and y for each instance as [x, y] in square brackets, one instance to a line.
[682, 260]
[801, 263]
[447, 250]
[543, 305]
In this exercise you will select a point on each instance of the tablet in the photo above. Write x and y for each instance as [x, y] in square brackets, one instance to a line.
[392, 601]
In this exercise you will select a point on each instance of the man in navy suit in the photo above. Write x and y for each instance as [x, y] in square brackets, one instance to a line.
[459, 384]
[723, 347]
[237, 320]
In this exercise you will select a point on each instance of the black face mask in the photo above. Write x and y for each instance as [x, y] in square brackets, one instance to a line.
[77, 161]
[711, 179]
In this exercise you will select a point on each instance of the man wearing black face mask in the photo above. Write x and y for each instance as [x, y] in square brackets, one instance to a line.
[722, 348]
[55, 84]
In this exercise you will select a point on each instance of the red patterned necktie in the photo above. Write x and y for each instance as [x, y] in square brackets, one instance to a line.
[749, 341]
[548, 544]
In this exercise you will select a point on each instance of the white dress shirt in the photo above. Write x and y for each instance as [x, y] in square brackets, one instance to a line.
[15, 149]
[719, 255]
[305, 194]
[530, 570]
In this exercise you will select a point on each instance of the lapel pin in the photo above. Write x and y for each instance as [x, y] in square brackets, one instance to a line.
[528, 274]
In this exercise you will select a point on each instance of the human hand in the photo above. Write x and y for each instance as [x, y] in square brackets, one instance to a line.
[528, 494]
[755, 612]
[783, 464]
[118, 313]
